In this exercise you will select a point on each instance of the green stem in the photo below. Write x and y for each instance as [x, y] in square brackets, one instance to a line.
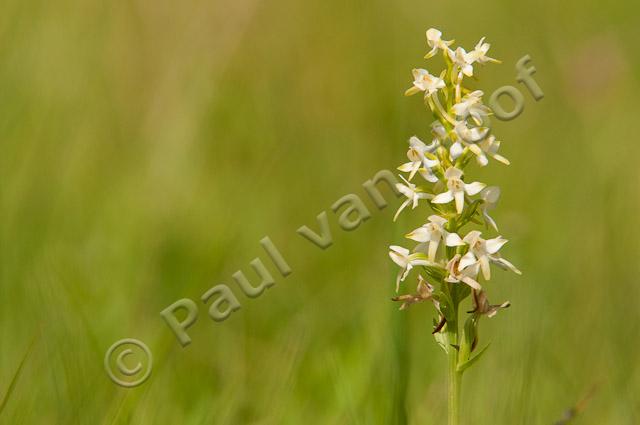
[455, 377]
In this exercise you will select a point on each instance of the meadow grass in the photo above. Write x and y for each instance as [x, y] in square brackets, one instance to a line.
[146, 148]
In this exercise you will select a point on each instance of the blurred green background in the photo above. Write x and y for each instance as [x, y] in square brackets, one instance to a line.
[147, 146]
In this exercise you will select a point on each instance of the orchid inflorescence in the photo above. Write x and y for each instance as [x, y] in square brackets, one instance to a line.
[455, 265]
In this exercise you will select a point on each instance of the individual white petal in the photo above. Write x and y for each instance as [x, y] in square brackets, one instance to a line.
[472, 270]
[471, 237]
[459, 197]
[452, 239]
[403, 206]
[412, 90]
[473, 188]
[399, 249]
[399, 260]
[467, 260]
[455, 150]
[443, 198]
[501, 159]
[460, 109]
[414, 169]
[406, 191]
[406, 181]
[473, 147]
[399, 255]
[436, 219]
[433, 36]
[399, 278]
[472, 283]
[433, 249]
[428, 175]
[438, 130]
[484, 266]
[488, 219]
[453, 173]
[506, 265]
[431, 53]
[430, 163]
[406, 272]
[416, 143]
[494, 245]
[482, 160]
[408, 167]
[418, 259]
[490, 194]
[421, 234]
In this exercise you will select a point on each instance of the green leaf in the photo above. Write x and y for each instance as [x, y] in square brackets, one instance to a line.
[435, 273]
[468, 339]
[466, 365]
[459, 292]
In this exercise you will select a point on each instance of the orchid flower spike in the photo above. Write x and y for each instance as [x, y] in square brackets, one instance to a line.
[454, 259]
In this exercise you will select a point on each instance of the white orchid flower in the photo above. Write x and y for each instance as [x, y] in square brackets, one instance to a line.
[457, 189]
[435, 41]
[469, 138]
[468, 275]
[484, 252]
[462, 60]
[489, 196]
[479, 53]
[432, 233]
[413, 194]
[489, 146]
[469, 135]
[402, 257]
[423, 81]
[471, 105]
[419, 161]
